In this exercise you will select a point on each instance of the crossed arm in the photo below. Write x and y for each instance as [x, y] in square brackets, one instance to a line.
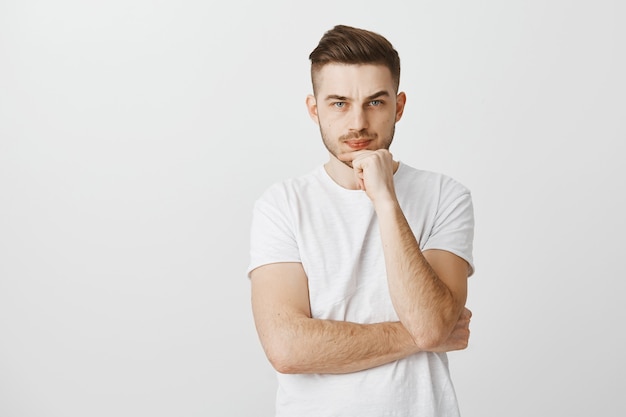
[296, 343]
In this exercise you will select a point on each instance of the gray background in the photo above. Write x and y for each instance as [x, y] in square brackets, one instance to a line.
[135, 136]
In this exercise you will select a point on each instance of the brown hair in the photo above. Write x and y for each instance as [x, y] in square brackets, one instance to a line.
[348, 45]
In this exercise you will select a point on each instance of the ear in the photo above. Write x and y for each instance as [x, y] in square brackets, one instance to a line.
[400, 102]
[311, 105]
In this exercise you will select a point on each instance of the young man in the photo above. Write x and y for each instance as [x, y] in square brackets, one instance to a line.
[359, 269]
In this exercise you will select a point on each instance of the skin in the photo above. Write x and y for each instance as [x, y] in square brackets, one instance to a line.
[356, 108]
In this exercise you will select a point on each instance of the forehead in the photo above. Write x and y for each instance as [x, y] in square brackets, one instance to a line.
[350, 80]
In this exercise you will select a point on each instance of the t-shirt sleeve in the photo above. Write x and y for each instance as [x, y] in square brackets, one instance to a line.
[453, 229]
[272, 237]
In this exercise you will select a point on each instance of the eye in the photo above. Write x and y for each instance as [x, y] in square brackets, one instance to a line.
[375, 103]
[339, 104]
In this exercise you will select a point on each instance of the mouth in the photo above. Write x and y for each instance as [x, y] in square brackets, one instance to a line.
[358, 144]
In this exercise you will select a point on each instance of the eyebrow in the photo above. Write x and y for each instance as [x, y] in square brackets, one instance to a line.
[382, 93]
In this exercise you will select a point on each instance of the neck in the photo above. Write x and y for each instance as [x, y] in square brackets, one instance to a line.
[341, 173]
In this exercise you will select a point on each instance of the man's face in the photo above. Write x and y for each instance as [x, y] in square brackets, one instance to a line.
[356, 107]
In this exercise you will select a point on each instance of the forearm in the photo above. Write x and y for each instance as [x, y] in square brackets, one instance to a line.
[423, 302]
[304, 345]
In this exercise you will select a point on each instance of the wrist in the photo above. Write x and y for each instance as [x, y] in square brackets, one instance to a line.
[386, 205]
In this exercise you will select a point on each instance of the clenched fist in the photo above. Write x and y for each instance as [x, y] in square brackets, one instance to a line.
[374, 173]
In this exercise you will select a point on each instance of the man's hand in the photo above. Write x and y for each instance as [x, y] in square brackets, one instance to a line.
[459, 338]
[374, 172]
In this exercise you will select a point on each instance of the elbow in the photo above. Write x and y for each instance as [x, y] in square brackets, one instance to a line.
[285, 368]
[282, 359]
[428, 340]
[430, 336]
[441, 336]
[284, 347]
[283, 365]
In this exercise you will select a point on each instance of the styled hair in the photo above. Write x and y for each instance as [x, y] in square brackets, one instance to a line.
[348, 45]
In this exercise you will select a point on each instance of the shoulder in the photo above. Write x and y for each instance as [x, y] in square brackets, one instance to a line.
[413, 179]
[284, 191]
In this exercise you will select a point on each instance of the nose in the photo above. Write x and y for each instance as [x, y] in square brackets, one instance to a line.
[358, 118]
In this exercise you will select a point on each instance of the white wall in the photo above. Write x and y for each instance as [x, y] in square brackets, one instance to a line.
[135, 136]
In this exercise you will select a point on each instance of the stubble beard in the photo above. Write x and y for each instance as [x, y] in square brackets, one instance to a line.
[328, 143]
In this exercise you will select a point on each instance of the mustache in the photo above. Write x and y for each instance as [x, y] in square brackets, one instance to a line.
[361, 134]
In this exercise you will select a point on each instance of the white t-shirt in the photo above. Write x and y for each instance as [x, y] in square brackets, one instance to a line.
[334, 233]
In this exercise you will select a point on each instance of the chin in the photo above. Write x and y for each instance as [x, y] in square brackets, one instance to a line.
[348, 164]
